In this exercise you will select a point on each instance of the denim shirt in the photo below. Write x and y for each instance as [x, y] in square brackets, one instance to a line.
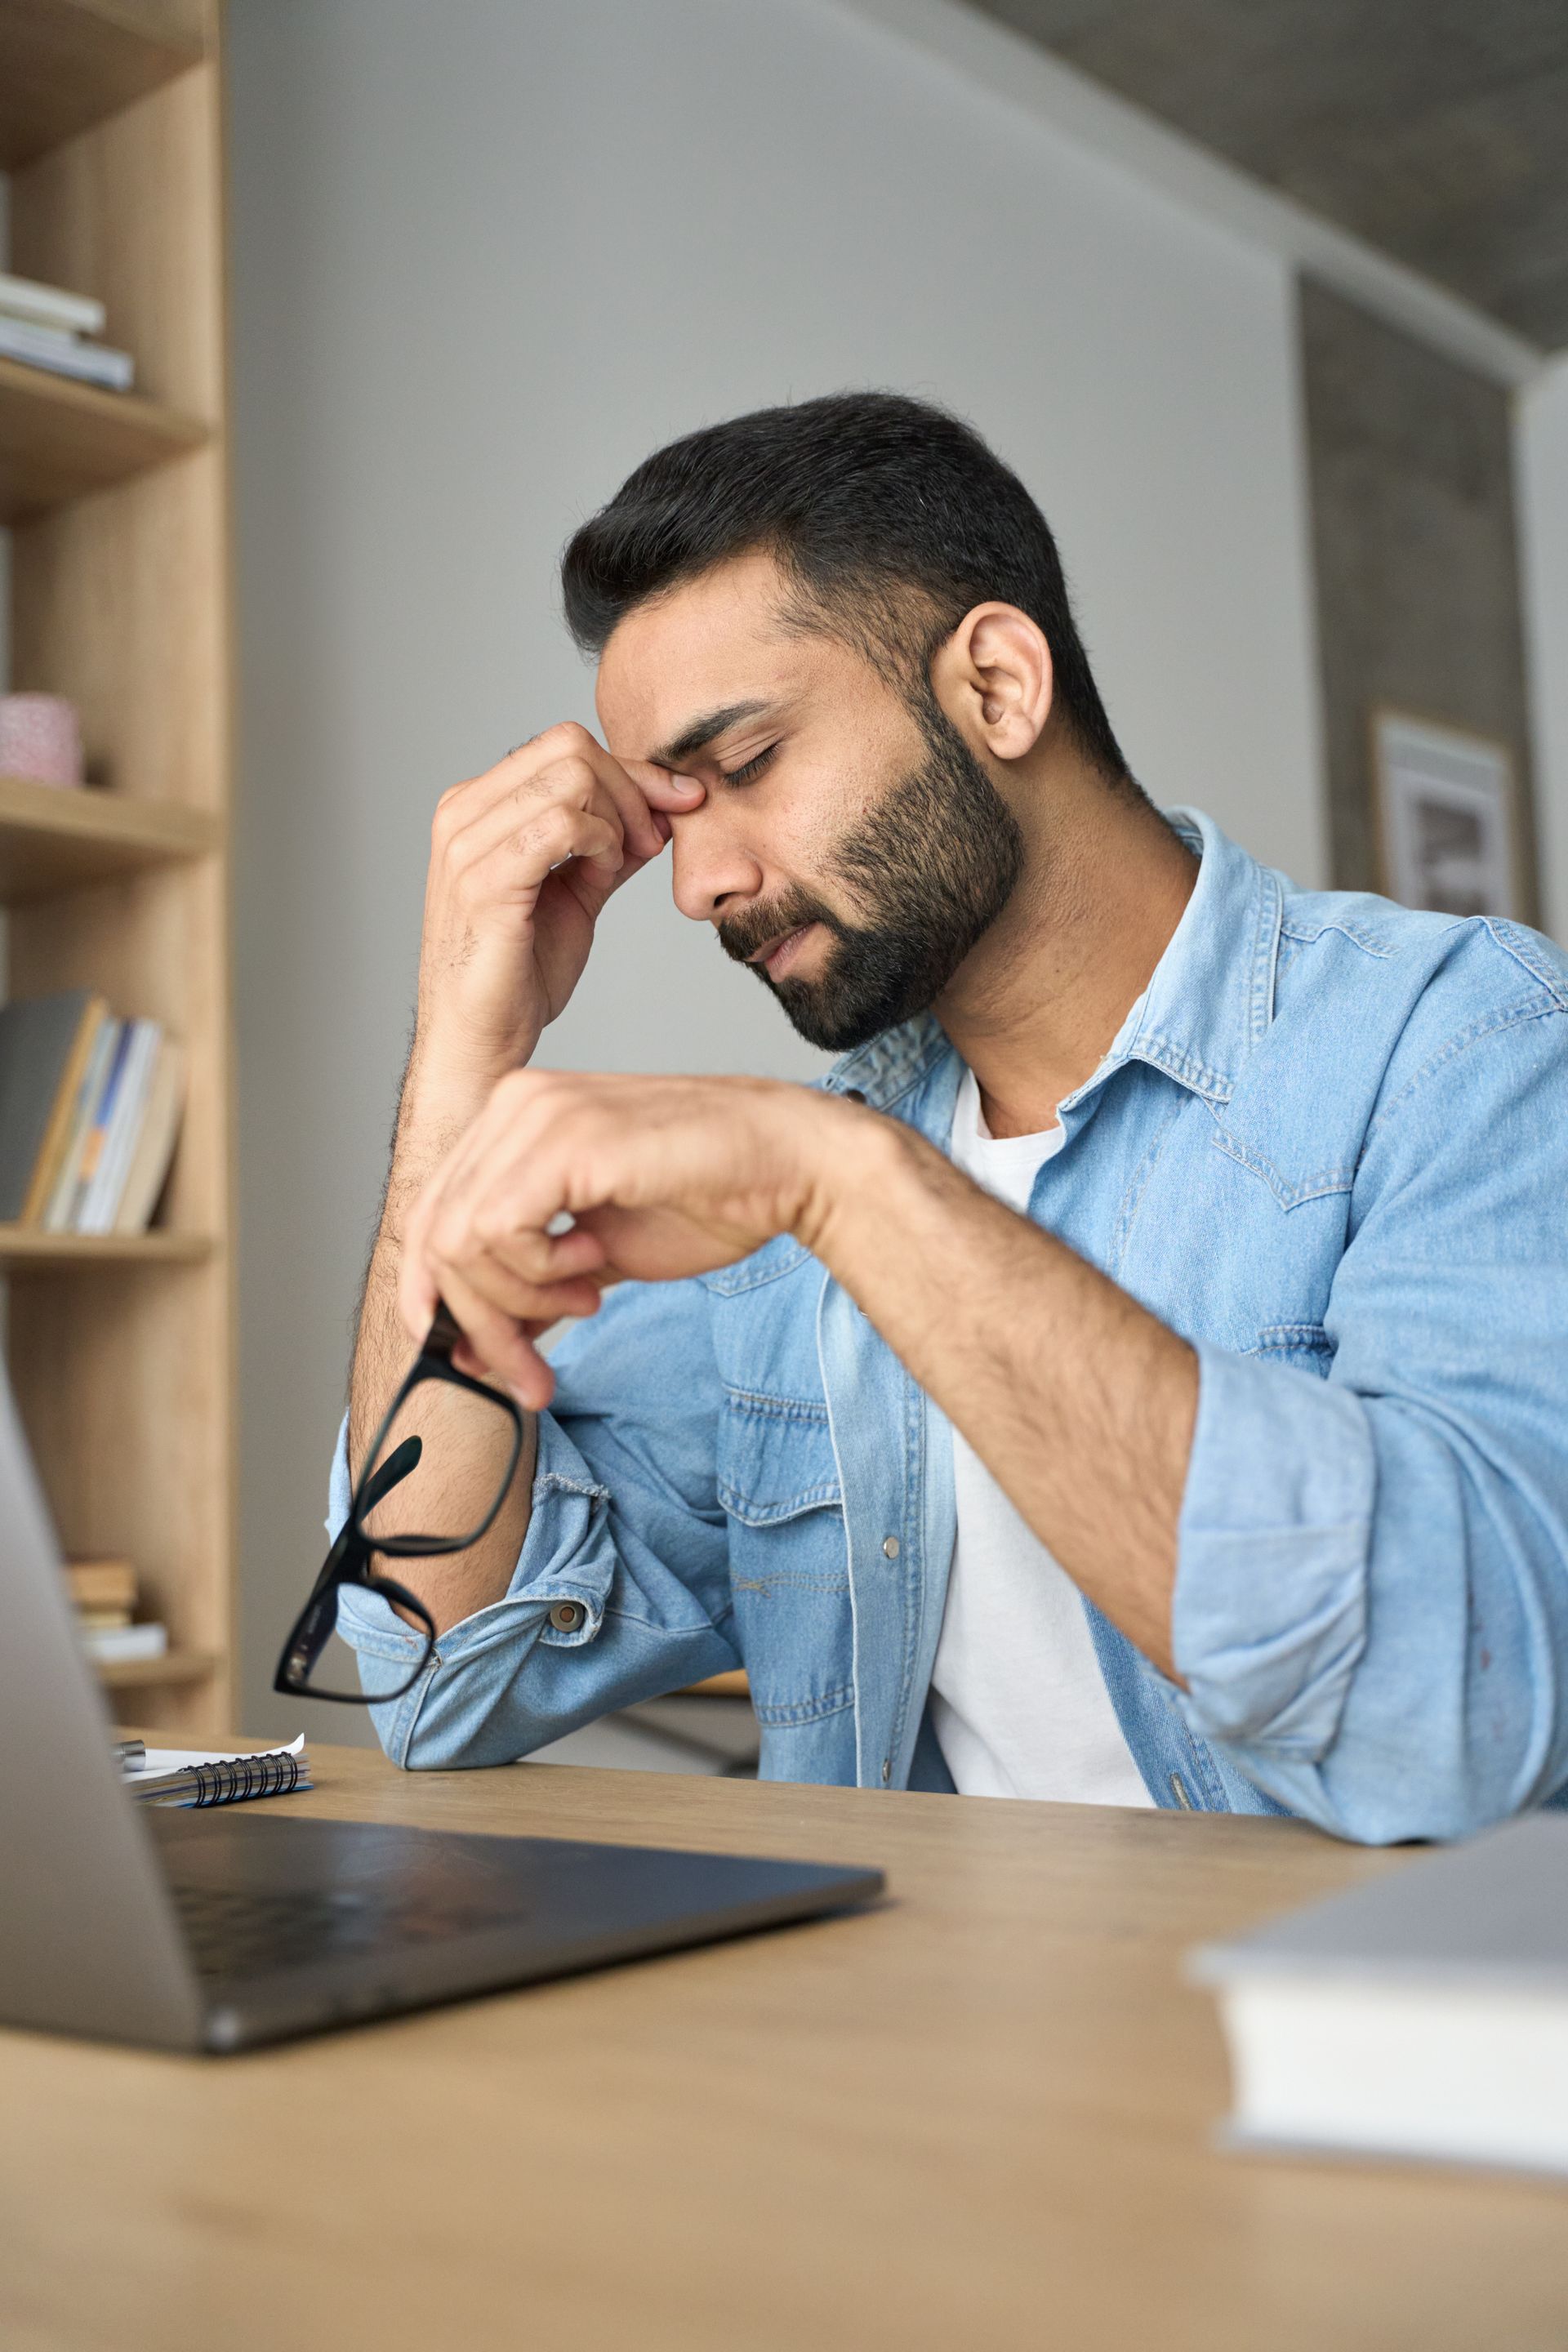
[1332, 1153]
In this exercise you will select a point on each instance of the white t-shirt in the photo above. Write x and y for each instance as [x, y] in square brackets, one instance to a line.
[1018, 1703]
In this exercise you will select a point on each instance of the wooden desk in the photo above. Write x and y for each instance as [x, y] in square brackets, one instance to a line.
[979, 2118]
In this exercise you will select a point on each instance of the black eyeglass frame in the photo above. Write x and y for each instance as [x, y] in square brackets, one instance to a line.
[349, 1560]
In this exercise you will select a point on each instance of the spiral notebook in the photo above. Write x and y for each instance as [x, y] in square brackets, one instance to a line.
[195, 1776]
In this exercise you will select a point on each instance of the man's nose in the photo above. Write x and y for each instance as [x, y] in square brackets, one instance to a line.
[713, 871]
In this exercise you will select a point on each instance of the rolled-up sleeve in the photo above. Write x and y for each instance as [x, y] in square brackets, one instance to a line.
[1271, 1603]
[1371, 1608]
[625, 1523]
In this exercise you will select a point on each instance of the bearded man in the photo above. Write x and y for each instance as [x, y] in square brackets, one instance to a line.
[1135, 1375]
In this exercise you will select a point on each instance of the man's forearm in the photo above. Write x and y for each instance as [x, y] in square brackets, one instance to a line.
[1079, 1403]
[464, 1450]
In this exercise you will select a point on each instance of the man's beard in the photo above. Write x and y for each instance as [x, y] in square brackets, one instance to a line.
[931, 867]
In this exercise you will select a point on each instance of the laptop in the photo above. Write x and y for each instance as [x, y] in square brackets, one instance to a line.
[213, 1930]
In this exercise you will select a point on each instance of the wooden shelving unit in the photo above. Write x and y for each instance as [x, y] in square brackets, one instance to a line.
[61, 440]
[120, 1347]
[70, 64]
[54, 841]
[23, 1250]
[178, 1670]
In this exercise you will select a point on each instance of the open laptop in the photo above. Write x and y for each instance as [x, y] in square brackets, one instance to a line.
[213, 1930]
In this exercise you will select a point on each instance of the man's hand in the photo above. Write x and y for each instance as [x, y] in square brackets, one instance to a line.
[1079, 1401]
[662, 1178]
[522, 860]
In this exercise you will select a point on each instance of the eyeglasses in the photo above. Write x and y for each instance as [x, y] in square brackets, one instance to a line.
[481, 1464]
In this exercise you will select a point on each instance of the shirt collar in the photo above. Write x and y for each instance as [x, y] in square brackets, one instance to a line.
[1209, 1002]
[1211, 998]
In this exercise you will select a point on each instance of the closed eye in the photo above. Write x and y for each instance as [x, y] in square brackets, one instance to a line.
[753, 769]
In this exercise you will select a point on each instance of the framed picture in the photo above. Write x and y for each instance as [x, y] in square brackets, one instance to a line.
[1447, 825]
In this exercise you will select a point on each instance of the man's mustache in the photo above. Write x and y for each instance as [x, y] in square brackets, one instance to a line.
[741, 935]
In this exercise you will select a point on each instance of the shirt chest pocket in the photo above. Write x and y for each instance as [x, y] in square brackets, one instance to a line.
[778, 1483]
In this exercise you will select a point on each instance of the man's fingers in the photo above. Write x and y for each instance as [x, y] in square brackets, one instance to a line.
[511, 1295]
[568, 758]
[497, 1342]
[515, 849]
[661, 788]
[552, 762]
[644, 835]
[542, 1258]
[519, 815]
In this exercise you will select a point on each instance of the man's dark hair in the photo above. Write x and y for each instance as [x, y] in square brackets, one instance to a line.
[891, 518]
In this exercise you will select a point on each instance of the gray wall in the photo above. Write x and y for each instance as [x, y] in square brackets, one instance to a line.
[485, 256]
[1411, 471]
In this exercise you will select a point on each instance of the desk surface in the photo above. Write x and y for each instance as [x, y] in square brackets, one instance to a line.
[980, 2116]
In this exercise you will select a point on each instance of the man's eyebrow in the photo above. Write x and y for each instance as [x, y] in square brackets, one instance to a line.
[703, 731]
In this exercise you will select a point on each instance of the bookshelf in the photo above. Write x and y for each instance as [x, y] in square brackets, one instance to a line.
[23, 1251]
[120, 1346]
[61, 440]
[52, 840]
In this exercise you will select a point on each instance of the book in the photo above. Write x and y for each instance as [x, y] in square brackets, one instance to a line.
[104, 1621]
[63, 354]
[1423, 2015]
[101, 1583]
[98, 1126]
[120, 1645]
[50, 306]
[154, 1149]
[96, 1212]
[58, 1135]
[57, 1215]
[176, 1776]
[41, 1047]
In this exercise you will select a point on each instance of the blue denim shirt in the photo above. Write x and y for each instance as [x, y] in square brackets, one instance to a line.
[1333, 1154]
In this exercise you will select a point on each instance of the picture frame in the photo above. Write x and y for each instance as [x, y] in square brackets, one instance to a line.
[1447, 820]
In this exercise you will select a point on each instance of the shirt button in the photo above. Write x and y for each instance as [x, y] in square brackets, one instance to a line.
[566, 1616]
[887, 1768]
[891, 1546]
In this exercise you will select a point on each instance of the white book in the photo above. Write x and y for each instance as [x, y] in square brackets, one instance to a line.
[118, 1645]
[1424, 2015]
[61, 354]
[49, 306]
[160, 1131]
[97, 1212]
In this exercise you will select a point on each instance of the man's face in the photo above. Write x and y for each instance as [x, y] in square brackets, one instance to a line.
[851, 852]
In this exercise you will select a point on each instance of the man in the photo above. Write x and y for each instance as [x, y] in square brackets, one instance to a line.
[1137, 1374]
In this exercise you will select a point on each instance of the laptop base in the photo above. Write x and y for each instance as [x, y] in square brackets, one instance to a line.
[295, 1926]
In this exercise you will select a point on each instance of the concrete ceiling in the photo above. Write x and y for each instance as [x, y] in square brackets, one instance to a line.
[1436, 129]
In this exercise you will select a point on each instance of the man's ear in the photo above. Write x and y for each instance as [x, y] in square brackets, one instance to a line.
[994, 679]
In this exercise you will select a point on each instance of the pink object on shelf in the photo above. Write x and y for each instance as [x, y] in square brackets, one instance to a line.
[41, 737]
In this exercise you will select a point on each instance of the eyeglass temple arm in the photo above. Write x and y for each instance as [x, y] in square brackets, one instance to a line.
[392, 1473]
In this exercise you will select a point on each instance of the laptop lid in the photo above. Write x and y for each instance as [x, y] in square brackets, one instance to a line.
[88, 1938]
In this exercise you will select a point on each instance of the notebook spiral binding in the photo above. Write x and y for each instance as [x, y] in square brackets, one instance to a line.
[232, 1783]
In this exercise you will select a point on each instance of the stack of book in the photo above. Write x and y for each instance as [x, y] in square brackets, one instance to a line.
[89, 1111]
[103, 1594]
[45, 327]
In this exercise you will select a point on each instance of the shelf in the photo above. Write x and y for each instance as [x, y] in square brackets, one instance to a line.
[25, 1249]
[61, 440]
[66, 64]
[175, 1666]
[54, 839]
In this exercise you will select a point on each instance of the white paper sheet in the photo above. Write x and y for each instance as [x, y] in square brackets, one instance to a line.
[161, 1761]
